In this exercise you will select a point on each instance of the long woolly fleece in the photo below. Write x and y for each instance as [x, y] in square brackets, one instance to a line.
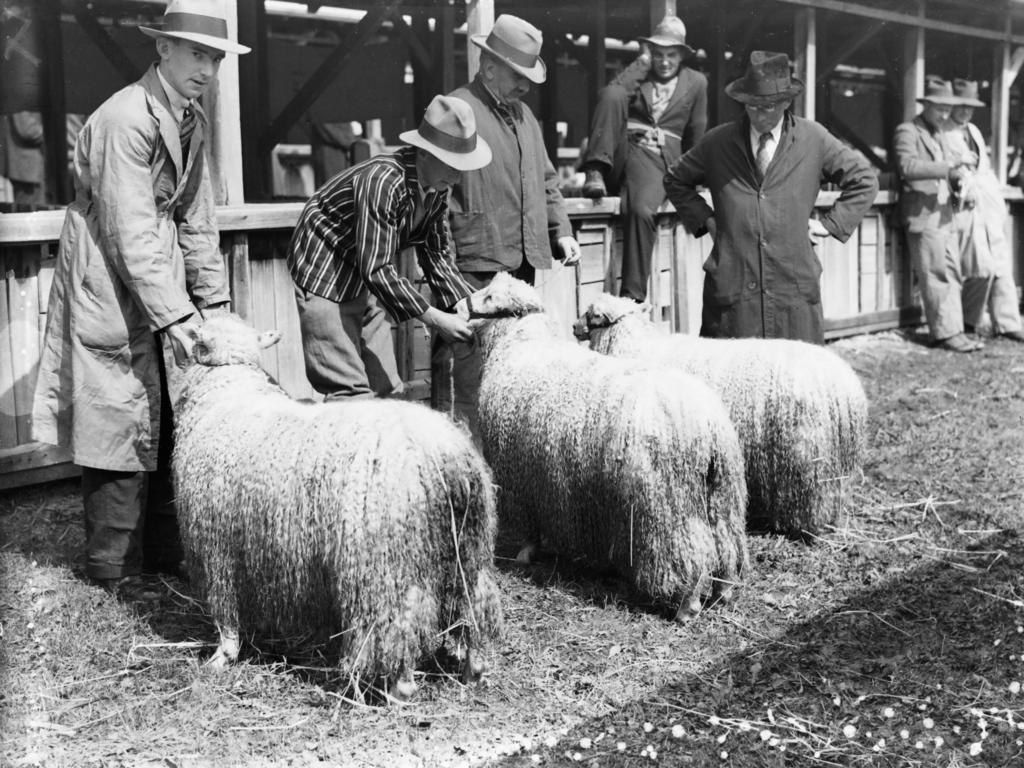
[607, 460]
[372, 520]
[800, 410]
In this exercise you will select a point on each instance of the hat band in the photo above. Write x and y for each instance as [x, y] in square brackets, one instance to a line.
[768, 87]
[511, 53]
[445, 141]
[195, 23]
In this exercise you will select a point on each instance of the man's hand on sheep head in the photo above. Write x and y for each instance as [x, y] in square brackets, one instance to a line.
[451, 327]
[182, 336]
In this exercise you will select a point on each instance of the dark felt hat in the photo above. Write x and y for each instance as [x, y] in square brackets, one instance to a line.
[767, 80]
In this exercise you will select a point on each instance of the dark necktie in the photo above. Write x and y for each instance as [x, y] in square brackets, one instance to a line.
[506, 114]
[763, 158]
[188, 126]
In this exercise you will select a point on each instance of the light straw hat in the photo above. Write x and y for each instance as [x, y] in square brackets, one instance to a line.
[448, 132]
[201, 21]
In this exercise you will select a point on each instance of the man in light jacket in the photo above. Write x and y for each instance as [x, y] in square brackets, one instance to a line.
[764, 173]
[980, 213]
[139, 261]
[510, 215]
[929, 176]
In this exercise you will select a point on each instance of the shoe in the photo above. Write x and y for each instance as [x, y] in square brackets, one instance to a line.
[1013, 336]
[959, 343]
[132, 589]
[175, 569]
[594, 187]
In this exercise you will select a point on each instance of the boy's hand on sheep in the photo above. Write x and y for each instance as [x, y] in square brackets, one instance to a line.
[451, 327]
[182, 335]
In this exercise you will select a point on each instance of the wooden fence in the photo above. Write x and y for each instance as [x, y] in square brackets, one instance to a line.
[866, 286]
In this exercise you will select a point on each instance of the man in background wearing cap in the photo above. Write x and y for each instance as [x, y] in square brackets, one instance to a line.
[649, 115]
[510, 215]
[929, 175]
[342, 254]
[764, 173]
[139, 262]
[979, 215]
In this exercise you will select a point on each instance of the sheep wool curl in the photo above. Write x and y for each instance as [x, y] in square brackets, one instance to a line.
[609, 460]
[370, 521]
[800, 410]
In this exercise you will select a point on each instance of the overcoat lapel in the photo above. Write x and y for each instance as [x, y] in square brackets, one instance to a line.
[168, 125]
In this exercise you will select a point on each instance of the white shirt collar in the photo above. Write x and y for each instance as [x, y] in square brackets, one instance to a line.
[776, 132]
[178, 102]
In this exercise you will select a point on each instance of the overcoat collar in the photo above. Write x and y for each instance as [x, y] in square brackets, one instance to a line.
[169, 126]
[741, 138]
[929, 138]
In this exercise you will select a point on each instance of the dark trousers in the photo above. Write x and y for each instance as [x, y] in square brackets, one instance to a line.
[456, 367]
[639, 172]
[130, 519]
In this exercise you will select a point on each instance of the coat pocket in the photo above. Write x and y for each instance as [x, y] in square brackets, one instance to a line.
[103, 307]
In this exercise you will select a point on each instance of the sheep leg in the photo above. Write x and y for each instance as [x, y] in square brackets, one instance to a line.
[473, 667]
[227, 651]
[404, 687]
[527, 553]
[722, 591]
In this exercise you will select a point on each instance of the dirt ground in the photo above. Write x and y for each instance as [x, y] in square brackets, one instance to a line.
[896, 639]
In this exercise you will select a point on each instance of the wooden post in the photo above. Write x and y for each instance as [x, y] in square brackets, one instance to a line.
[479, 20]
[913, 66]
[54, 103]
[660, 9]
[445, 31]
[225, 117]
[805, 48]
[599, 60]
[253, 78]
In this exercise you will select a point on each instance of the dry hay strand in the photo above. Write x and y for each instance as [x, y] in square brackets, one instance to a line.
[799, 409]
[369, 525]
[607, 461]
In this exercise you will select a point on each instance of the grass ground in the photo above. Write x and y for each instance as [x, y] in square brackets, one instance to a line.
[897, 639]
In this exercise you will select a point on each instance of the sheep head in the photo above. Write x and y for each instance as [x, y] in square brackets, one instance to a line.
[505, 297]
[607, 310]
[228, 340]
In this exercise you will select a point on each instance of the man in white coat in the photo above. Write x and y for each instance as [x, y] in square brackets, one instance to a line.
[139, 262]
[985, 255]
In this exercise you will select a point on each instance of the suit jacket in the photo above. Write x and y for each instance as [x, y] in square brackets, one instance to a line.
[686, 114]
[139, 250]
[762, 278]
[921, 157]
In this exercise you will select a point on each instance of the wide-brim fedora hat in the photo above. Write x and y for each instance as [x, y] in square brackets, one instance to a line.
[939, 91]
[201, 21]
[967, 92]
[517, 43]
[670, 33]
[448, 132]
[767, 80]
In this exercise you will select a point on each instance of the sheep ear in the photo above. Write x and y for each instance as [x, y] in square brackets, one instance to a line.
[268, 339]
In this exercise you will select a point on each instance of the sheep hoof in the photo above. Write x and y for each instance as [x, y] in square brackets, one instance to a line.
[403, 689]
[688, 609]
[723, 594]
[526, 554]
[227, 651]
[473, 668]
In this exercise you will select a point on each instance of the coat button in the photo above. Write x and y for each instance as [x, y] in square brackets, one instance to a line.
[751, 285]
[762, 195]
[764, 243]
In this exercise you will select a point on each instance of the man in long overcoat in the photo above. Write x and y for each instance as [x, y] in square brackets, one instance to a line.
[764, 172]
[139, 260]
[645, 119]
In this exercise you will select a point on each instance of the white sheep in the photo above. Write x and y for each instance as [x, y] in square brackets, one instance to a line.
[607, 460]
[370, 521]
[800, 410]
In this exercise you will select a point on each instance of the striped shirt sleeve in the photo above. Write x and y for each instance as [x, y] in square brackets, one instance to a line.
[437, 266]
[377, 242]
